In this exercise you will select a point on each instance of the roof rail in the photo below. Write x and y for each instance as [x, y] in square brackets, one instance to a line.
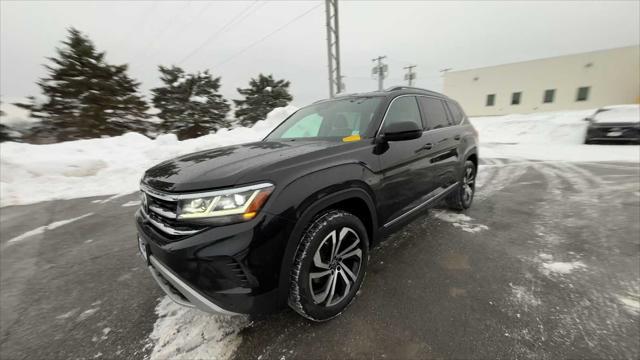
[400, 87]
[338, 95]
[346, 94]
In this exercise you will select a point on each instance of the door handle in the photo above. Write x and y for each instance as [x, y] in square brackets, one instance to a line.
[457, 137]
[428, 146]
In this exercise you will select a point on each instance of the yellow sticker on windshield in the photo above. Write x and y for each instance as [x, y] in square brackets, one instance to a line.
[351, 138]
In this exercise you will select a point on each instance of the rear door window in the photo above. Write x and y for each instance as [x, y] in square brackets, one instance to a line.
[434, 112]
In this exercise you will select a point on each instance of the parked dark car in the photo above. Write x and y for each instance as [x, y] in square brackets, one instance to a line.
[620, 124]
[290, 219]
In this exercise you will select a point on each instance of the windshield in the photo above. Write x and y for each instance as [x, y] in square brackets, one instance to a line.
[335, 119]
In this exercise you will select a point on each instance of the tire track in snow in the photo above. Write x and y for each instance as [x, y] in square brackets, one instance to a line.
[486, 172]
[42, 229]
[504, 175]
[597, 314]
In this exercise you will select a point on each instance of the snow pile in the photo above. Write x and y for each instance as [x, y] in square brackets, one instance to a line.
[562, 267]
[461, 221]
[547, 136]
[184, 333]
[631, 302]
[13, 116]
[549, 267]
[34, 173]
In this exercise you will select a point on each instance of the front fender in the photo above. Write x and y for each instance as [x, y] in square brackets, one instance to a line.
[304, 198]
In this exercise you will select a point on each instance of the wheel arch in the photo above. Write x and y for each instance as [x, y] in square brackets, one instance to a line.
[473, 157]
[355, 200]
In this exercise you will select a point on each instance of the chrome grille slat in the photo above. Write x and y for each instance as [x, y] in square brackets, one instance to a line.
[161, 211]
[166, 228]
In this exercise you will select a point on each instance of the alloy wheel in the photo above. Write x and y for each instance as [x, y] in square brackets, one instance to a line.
[468, 184]
[335, 267]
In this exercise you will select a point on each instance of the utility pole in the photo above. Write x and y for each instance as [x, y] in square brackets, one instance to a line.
[410, 75]
[380, 70]
[333, 48]
[341, 86]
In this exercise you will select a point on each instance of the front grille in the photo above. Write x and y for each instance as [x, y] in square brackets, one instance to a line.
[163, 205]
[162, 214]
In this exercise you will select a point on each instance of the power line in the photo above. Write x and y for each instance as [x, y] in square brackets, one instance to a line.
[201, 12]
[140, 25]
[236, 19]
[174, 19]
[181, 31]
[267, 36]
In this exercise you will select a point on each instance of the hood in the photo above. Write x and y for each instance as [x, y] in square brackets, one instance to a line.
[226, 166]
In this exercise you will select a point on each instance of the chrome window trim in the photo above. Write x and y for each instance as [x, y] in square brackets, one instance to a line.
[419, 110]
[175, 197]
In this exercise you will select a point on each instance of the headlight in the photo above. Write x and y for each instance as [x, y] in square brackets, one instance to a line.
[241, 203]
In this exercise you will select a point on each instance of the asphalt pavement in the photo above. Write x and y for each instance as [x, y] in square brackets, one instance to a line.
[546, 264]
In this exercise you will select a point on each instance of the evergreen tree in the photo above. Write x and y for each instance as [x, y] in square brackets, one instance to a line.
[190, 104]
[86, 97]
[263, 95]
[5, 131]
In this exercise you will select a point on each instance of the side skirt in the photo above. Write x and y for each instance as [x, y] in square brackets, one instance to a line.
[429, 202]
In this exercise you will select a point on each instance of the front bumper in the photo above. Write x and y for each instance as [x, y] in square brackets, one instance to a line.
[232, 269]
[180, 292]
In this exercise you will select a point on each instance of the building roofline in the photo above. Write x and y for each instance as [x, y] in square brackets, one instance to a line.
[540, 59]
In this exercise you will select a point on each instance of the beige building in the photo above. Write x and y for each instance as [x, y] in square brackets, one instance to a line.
[579, 81]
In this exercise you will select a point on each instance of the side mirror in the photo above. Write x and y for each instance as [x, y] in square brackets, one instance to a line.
[400, 131]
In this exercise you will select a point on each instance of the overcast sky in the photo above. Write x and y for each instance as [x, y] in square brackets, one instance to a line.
[431, 35]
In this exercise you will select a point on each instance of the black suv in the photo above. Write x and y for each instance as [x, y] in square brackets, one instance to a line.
[290, 219]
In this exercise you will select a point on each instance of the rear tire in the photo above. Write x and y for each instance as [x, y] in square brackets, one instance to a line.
[462, 197]
[330, 265]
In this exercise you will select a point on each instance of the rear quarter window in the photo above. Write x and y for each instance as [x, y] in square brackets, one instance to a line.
[456, 112]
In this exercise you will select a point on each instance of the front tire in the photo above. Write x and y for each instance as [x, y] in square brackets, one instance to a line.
[329, 266]
[462, 197]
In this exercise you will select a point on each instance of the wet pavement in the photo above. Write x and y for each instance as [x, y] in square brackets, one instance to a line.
[546, 264]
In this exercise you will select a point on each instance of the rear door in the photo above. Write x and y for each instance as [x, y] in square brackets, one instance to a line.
[445, 137]
[407, 180]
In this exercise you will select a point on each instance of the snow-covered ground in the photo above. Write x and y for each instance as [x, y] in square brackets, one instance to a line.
[547, 136]
[186, 333]
[35, 173]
